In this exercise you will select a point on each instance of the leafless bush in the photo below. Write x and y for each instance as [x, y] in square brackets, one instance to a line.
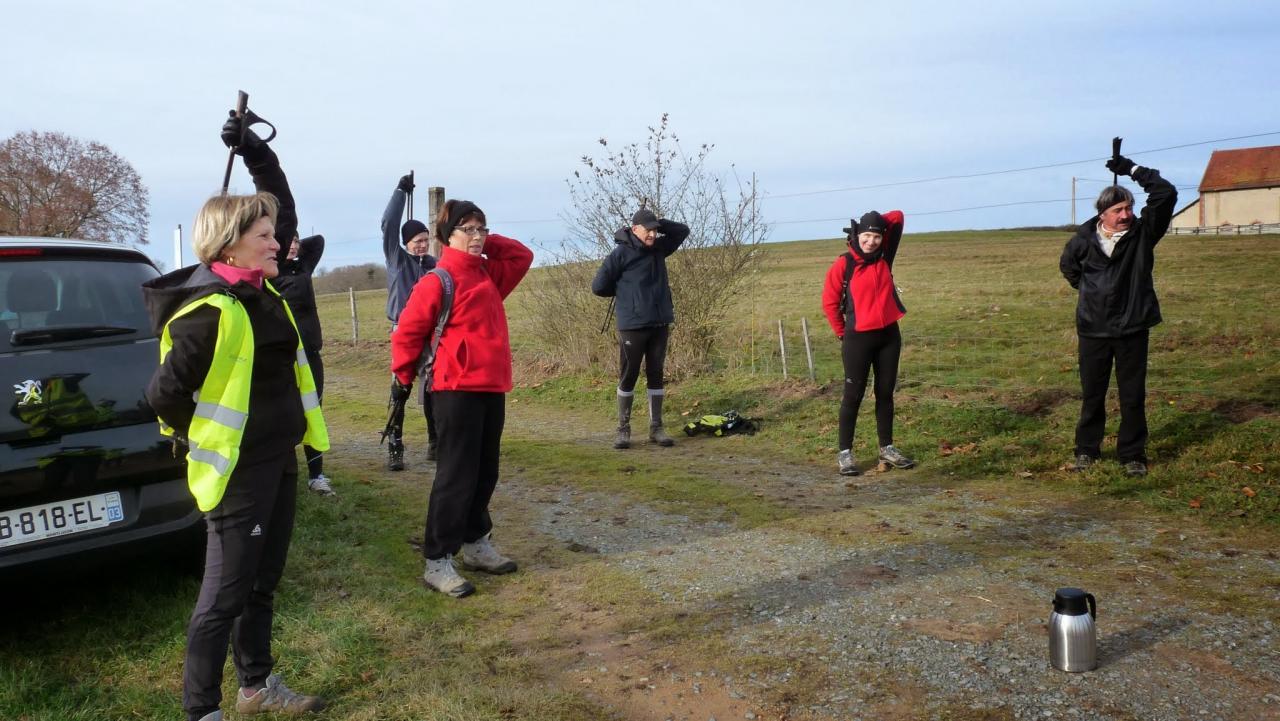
[713, 264]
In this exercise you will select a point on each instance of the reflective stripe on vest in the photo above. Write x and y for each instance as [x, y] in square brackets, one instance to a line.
[222, 403]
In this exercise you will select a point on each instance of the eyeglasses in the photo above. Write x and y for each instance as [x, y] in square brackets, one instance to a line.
[478, 231]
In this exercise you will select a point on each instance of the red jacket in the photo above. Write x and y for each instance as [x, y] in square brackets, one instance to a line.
[874, 299]
[475, 349]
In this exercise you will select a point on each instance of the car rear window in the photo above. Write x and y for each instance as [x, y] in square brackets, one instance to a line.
[60, 291]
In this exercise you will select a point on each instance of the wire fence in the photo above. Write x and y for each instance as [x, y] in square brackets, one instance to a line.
[1250, 229]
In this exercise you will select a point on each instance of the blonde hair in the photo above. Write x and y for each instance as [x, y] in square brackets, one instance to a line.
[224, 218]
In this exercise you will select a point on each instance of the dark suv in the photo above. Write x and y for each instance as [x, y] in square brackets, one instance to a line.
[83, 466]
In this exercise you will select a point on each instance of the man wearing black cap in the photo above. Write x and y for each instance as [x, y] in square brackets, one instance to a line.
[405, 267]
[635, 275]
[1109, 261]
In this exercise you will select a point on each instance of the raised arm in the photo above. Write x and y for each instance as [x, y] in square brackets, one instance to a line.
[391, 249]
[893, 235]
[268, 177]
[1162, 200]
[673, 235]
[507, 260]
[309, 251]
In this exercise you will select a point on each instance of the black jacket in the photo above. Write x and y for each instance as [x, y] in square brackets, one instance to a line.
[294, 283]
[1117, 294]
[276, 422]
[636, 275]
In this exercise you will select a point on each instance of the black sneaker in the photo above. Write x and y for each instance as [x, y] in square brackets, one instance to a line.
[395, 456]
[1136, 469]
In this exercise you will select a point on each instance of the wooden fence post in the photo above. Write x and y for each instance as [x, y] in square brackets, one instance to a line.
[808, 349]
[355, 322]
[435, 199]
[782, 347]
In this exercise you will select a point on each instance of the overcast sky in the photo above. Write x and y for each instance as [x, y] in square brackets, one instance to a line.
[498, 100]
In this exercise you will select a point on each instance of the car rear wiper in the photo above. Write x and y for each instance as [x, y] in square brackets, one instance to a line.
[36, 336]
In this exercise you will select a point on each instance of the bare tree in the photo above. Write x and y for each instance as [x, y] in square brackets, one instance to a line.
[716, 261]
[54, 185]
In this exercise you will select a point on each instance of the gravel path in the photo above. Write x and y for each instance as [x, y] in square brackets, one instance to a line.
[915, 600]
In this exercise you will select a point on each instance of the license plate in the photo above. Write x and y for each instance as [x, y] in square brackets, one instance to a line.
[36, 523]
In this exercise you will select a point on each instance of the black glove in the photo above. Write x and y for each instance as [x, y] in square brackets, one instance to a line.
[406, 183]
[1120, 165]
[246, 142]
[399, 391]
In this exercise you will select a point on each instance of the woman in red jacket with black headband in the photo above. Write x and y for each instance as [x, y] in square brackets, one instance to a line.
[469, 383]
[863, 308]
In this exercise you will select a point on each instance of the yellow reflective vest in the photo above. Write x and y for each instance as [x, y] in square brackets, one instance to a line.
[222, 403]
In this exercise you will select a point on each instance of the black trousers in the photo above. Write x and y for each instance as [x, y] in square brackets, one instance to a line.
[1129, 355]
[642, 344]
[470, 433]
[248, 543]
[862, 352]
[315, 459]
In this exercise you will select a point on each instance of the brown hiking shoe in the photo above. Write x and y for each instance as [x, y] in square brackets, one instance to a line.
[278, 698]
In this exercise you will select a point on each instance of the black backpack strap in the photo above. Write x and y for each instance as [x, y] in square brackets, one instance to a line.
[845, 303]
[427, 360]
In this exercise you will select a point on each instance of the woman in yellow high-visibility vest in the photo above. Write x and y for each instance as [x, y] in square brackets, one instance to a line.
[234, 385]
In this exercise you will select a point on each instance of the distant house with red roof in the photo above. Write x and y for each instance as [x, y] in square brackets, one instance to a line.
[1240, 187]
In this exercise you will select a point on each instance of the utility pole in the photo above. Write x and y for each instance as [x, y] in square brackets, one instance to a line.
[1073, 200]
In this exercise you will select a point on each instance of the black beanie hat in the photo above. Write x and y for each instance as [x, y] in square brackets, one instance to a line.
[410, 229]
[459, 210]
[872, 222]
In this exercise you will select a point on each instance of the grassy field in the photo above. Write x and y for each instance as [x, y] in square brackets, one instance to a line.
[988, 400]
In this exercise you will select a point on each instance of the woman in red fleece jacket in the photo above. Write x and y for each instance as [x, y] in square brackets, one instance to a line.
[469, 382]
[863, 308]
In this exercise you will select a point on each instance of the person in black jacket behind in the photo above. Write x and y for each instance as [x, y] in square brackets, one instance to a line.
[1110, 260]
[294, 283]
[635, 275]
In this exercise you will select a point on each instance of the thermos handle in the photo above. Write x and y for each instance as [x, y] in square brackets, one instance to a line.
[1093, 605]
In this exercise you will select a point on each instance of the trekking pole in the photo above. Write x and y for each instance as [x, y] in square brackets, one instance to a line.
[410, 195]
[1115, 153]
[242, 102]
[608, 316]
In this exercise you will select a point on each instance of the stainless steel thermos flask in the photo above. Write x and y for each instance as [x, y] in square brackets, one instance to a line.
[1073, 635]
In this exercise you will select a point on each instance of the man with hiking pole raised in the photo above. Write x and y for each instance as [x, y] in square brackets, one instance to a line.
[405, 248]
[635, 276]
[1109, 261]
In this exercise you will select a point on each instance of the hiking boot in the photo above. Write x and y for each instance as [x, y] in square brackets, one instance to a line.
[483, 556]
[894, 457]
[1135, 469]
[212, 716]
[846, 464]
[431, 450]
[443, 577]
[623, 439]
[659, 436]
[276, 697]
[320, 484]
[1083, 462]
[395, 456]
